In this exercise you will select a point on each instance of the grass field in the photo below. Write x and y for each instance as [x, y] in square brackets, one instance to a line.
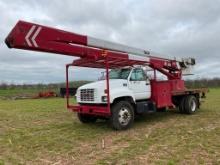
[42, 131]
[5, 93]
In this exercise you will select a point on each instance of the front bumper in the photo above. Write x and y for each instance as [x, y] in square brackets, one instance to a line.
[98, 110]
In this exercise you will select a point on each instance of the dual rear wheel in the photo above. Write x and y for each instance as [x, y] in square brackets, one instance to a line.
[188, 104]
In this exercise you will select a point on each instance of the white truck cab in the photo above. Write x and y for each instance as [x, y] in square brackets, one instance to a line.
[123, 82]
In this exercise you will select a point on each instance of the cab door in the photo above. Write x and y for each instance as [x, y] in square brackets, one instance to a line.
[139, 84]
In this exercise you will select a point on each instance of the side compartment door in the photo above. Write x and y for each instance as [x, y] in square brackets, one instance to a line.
[139, 84]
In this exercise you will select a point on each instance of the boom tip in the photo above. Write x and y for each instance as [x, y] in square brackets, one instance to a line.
[8, 42]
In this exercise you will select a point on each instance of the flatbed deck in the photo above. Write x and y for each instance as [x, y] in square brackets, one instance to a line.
[201, 91]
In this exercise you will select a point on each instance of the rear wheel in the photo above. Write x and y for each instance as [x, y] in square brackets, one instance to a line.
[191, 104]
[182, 105]
[122, 115]
[85, 118]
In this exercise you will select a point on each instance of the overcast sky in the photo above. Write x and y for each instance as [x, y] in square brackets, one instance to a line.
[177, 28]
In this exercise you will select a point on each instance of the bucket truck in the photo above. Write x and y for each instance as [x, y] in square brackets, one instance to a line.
[127, 90]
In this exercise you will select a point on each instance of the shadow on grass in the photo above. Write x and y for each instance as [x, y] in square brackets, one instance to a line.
[157, 116]
[104, 126]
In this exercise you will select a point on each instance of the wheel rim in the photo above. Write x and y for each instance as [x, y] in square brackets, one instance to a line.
[124, 116]
[193, 106]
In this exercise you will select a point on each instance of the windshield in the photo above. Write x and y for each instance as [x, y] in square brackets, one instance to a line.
[119, 73]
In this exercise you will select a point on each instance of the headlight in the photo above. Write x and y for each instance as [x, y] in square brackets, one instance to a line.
[104, 98]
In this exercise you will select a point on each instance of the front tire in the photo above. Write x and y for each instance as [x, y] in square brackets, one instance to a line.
[85, 118]
[122, 115]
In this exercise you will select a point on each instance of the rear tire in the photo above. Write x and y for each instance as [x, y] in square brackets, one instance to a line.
[191, 104]
[122, 115]
[85, 118]
[182, 105]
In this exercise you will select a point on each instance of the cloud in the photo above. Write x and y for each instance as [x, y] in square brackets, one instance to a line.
[175, 28]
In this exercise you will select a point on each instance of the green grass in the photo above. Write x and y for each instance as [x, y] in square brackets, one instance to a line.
[42, 131]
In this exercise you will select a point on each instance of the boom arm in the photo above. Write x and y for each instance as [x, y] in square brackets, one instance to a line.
[30, 36]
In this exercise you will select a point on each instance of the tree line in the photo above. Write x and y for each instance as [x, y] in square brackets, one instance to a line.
[49, 86]
[204, 82]
[197, 83]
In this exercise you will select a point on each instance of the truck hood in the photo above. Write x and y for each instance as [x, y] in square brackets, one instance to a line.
[113, 83]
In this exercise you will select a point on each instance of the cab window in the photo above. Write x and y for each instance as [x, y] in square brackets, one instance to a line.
[137, 75]
[119, 73]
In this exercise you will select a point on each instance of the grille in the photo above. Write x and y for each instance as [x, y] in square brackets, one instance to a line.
[87, 94]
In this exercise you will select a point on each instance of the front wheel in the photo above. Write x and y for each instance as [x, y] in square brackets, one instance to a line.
[122, 115]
